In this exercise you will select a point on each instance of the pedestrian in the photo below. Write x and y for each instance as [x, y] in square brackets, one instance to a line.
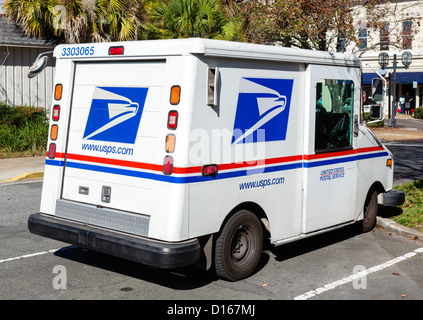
[402, 102]
[408, 100]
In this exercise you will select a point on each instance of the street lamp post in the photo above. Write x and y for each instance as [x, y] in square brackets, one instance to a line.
[383, 60]
[394, 94]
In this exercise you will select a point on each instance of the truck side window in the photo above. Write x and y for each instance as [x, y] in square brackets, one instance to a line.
[334, 114]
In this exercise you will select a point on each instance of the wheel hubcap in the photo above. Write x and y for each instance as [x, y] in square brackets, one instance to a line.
[241, 246]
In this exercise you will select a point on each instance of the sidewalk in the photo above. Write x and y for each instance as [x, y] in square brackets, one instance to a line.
[407, 129]
[15, 169]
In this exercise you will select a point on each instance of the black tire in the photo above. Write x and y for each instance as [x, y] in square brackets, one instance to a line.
[238, 246]
[370, 211]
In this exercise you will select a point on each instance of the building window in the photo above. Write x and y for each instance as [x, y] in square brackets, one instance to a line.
[407, 35]
[362, 38]
[384, 36]
[341, 44]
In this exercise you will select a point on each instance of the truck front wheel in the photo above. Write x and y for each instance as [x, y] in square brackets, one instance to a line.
[238, 246]
[370, 211]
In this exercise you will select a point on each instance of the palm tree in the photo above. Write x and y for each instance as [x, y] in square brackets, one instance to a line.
[188, 18]
[76, 21]
[116, 19]
[33, 16]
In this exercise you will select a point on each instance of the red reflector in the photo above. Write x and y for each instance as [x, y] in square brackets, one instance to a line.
[56, 112]
[168, 165]
[52, 151]
[172, 121]
[209, 170]
[115, 51]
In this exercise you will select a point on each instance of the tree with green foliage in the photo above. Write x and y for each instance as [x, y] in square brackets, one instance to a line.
[310, 24]
[193, 18]
[77, 21]
[188, 18]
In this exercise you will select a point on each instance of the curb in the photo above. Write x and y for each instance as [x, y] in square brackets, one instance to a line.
[28, 175]
[399, 229]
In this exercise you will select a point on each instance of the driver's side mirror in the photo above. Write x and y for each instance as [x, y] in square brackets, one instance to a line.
[377, 110]
[377, 89]
[39, 65]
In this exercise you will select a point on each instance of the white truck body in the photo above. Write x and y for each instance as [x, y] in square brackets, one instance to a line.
[248, 136]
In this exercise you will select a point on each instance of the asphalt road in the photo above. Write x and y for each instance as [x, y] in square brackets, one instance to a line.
[321, 268]
[408, 161]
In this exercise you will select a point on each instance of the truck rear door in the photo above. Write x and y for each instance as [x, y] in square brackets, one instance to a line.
[112, 139]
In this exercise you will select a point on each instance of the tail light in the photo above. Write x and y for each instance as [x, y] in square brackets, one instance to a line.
[56, 113]
[170, 143]
[172, 121]
[209, 170]
[53, 132]
[175, 93]
[116, 51]
[172, 124]
[52, 151]
[168, 165]
[58, 91]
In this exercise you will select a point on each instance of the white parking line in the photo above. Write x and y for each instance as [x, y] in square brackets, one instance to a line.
[357, 275]
[30, 255]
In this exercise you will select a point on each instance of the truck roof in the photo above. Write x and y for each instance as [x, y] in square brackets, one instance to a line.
[209, 47]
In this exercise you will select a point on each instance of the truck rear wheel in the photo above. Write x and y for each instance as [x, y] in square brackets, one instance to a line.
[370, 211]
[238, 246]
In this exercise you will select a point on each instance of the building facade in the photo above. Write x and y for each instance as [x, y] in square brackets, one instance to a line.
[401, 30]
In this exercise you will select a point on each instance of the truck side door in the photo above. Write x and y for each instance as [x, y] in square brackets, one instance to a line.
[330, 163]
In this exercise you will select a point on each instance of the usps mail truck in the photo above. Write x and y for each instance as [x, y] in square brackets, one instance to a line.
[195, 152]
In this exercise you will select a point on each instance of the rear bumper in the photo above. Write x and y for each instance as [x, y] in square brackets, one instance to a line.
[392, 198]
[146, 251]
